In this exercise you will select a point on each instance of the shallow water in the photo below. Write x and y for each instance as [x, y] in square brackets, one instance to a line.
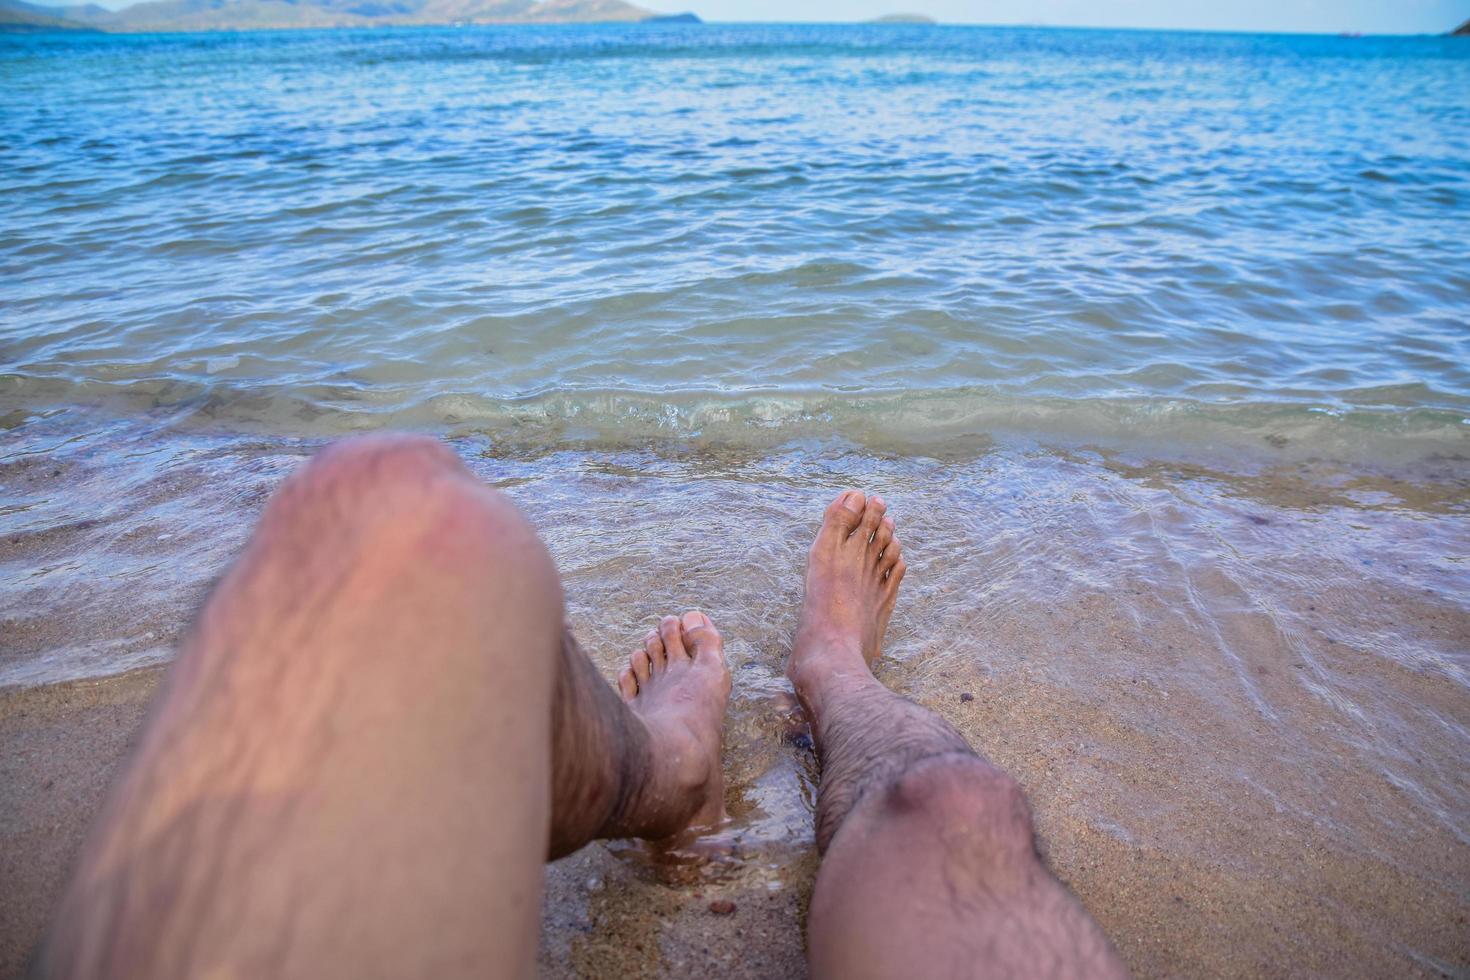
[1234, 696]
[1157, 343]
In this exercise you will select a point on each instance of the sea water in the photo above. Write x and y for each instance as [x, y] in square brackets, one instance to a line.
[889, 233]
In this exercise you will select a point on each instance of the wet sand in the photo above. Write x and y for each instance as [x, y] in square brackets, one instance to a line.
[1287, 903]
[1237, 700]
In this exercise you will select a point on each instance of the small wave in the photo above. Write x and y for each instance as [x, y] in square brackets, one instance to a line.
[963, 421]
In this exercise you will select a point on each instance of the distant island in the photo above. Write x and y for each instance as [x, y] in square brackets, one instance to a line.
[23, 18]
[1462, 31]
[20, 16]
[903, 19]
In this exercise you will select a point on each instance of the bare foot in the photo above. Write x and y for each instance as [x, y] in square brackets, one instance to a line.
[852, 578]
[678, 684]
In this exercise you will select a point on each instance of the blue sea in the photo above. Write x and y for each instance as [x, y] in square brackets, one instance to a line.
[1157, 343]
[754, 232]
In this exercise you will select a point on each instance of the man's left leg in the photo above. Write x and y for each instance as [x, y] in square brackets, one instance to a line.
[374, 735]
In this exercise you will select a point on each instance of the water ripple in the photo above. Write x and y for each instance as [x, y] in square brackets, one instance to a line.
[488, 216]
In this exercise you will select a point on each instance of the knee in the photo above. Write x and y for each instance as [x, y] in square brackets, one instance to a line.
[397, 493]
[381, 468]
[968, 802]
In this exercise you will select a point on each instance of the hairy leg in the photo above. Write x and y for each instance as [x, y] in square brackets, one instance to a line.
[651, 771]
[930, 865]
[372, 736]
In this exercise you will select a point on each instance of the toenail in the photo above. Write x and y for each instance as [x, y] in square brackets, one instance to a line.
[693, 620]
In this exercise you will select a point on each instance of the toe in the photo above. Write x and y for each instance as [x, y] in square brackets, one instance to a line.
[872, 518]
[653, 644]
[670, 630]
[640, 664]
[882, 538]
[700, 636]
[844, 513]
[892, 555]
[895, 574]
[627, 684]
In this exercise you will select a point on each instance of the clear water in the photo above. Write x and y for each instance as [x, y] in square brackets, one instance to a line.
[1158, 344]
[721, 231]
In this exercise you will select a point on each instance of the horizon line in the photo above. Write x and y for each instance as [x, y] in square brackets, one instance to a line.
[867, 22]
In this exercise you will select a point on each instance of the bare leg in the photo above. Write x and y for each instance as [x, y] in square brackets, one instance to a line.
[930, 868]
[374, 734]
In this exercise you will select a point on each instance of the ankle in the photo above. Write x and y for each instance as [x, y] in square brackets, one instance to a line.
[633, 777]
[819, 666]
[648, 804]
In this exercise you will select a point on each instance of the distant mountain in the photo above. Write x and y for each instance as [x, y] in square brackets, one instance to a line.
[903, 19]
[228, 15]
[18, 17]
[1462, 31]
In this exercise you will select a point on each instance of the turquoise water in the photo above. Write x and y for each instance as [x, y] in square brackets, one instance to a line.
[746, 233]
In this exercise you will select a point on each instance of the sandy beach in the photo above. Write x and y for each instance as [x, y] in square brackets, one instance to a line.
[1261, 896]
[1233, 709]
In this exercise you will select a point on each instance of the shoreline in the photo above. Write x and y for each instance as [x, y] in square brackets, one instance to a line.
[1370, 431]
[1237, 702]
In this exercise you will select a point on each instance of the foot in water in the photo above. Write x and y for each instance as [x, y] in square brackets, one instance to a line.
[852, 578]
[678, 684]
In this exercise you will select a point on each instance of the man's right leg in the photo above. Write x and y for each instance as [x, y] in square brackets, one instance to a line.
[929, 864]
[375, 733]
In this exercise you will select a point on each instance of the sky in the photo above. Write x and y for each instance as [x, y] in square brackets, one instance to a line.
[1317, 16]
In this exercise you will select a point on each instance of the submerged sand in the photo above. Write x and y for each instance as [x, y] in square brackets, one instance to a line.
[1237, 699]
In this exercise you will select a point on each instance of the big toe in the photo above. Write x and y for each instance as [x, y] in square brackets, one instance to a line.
[701, 638]
[844, 514]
